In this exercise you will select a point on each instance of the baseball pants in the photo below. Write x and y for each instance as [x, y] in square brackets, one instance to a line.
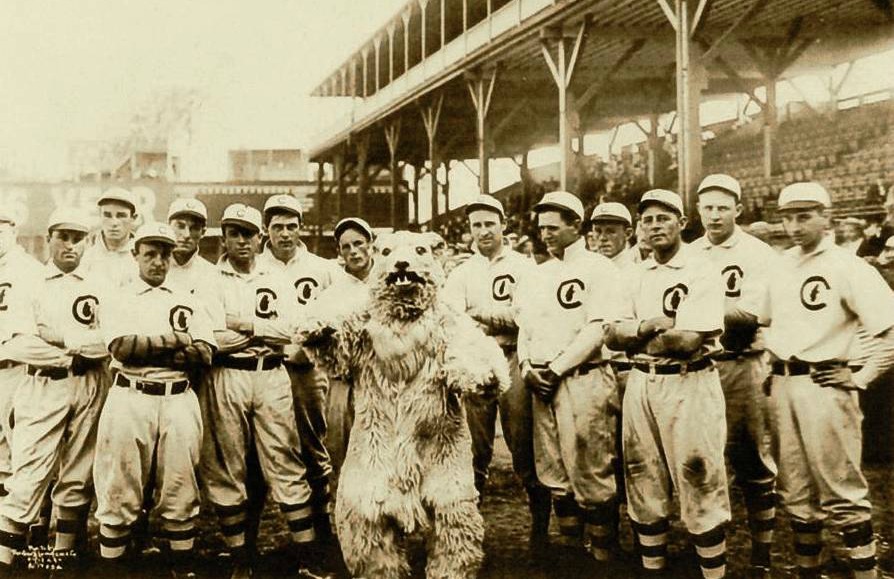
[674, 431]
[574, 450]
[243, 407]
[138, 432]
[516, 419]
[56, 424]
[11, 379]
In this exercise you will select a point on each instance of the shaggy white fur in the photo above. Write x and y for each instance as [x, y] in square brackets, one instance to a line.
[408, 467]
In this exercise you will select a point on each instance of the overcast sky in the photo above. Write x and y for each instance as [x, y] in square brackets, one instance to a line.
[78, 69]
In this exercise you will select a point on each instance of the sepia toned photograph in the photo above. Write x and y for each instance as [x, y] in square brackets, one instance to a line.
[447, 289]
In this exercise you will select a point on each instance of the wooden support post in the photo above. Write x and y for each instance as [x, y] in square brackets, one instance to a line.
[568, 48]
[481, 88]
[405, 17]
[771, 116]
[392, 139]
[653, 143]
[431, 115]
[417, 173]
[364, 52]
[339, 183]
[362, 146]
[391, 30]
[446, 185]
[423, 4]
[321, 197]
[377, 45]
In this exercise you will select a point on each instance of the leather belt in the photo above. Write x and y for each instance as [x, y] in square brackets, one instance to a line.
[54, 373]
[727, 356]
[800, 368]
[681, 368]
[152, 387]
[250, 363]
[587, 367]
[621, 365]
[7, 364]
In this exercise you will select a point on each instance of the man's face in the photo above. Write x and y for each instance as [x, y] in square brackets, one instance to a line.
[188, 231]
[241, 243]
[284, 230]
[153, 259]
[116, 219]
[486, 229]
[852, 232]
[718, 211]
[66, 248]
[355, 249]
[610, 237]
[662, 226]
[555, 232]
[805, 227]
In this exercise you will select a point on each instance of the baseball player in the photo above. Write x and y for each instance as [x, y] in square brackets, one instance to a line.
[673, 417]
[110, 258]
[818, 296]
[353, 237]
[20, 276]
[249, 399]
[308, 274]
[743, 261]
[484, 287]
[189, 270]
[612, 227]
[156, 335]
[575, 406]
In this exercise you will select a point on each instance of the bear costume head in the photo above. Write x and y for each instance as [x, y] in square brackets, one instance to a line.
[405, 278]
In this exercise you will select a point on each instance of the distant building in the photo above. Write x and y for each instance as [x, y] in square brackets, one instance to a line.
[268, 165]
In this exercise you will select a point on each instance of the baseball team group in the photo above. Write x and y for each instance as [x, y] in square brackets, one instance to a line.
[137, 377]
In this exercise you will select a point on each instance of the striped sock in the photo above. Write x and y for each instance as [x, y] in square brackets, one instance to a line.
[300, 519]
[808, 548]
[113, 541]
[652, 541]
[13, 538]
[861, 546]
[601, 528]
[570, 519]
[181, 535]
[760, 500]
[232, 525]
[711, 550]
[71, 525]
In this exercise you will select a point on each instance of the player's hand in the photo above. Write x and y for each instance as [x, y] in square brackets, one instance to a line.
[50, 336]
[653, 326]
[240, 325]
[538, 382]
[835, 377]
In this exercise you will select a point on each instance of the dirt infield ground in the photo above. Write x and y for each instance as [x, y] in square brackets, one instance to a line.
[505, 512]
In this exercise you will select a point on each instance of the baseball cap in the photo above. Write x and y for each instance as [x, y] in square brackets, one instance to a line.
[118, 195]
[242, 215]
[721, 182]
[805, 195]
[611, 211]
[353, 223]
[662, 197]
[185, 206]
[154, 231]
[285, 203]
[69, 219]
[561, 200]
[487, 202]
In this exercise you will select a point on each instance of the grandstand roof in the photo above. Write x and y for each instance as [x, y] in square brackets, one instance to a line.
[626, 63]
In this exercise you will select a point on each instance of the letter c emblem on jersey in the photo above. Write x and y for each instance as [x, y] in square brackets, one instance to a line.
[305, 288]
[732, 277]
[180, 318]
[569, 292]
[502, 287]
[265, 303]
[813, 293]
[673, 297]
[84, 309]
[4, 289]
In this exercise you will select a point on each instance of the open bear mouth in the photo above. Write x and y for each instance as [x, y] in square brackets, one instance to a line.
[404, 278]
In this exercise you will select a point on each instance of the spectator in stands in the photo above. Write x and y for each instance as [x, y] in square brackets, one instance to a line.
[762, 230]
[875, 238]
[884, 263]
[850, 234]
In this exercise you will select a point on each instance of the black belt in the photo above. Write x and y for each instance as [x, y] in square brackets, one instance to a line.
[727, 356]
[54, 373]
[580, 370]
[621, 365]
[250, 363]
[681, 368]
[800, 368]
[7, 364]
[152, 387]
